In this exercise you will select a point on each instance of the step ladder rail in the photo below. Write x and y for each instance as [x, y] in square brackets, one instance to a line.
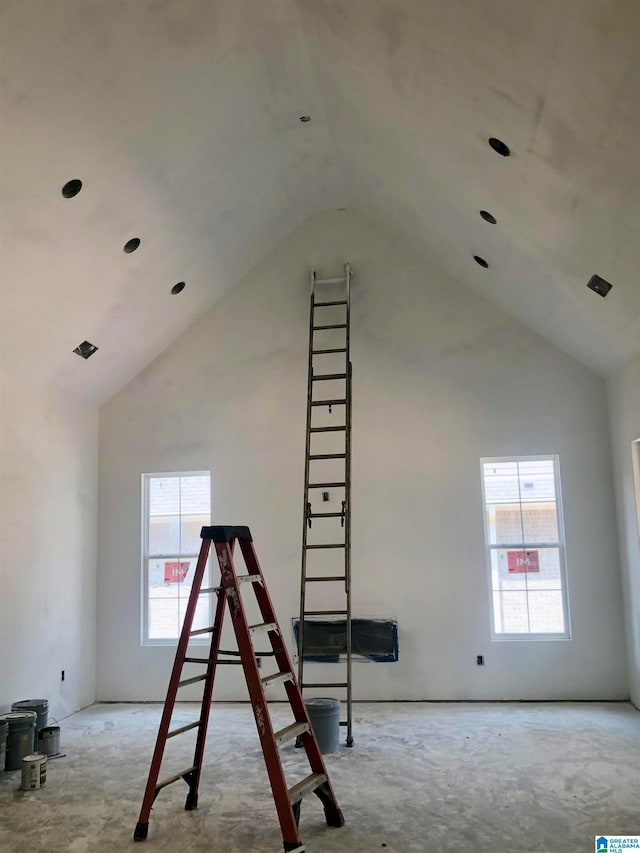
[152, 789]
[207, 694]
[275, 771]
[307, 739]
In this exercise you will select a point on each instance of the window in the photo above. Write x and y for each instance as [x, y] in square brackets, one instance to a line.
[175, 507]
[525, 548]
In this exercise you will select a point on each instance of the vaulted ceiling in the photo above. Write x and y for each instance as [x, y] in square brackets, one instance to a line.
[182, 119]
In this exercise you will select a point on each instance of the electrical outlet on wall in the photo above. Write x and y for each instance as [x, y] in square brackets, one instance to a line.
[62, 675]
[480, 660]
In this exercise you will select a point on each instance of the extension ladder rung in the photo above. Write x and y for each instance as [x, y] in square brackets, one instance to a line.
[171, 779]
[326, 377]
[201, 631]
[340, 280]
[339, 402]
[327, 351]
[290, 732]
[330, 326]
[299, 790]
[183, 729]
[328, 429]
[316, 456]
[262, 626]
[193, 680]
[325, 684]
[327, 578]
[276, 678]
[317, 547]
[326, 304]
[325, 612]
[325, 485]
[325, 515]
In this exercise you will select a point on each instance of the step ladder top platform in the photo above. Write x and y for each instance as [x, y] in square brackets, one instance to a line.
[226, 533]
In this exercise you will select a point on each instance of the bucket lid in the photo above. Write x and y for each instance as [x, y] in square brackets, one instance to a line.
[323, 702]
[17, 716]
[36, 756]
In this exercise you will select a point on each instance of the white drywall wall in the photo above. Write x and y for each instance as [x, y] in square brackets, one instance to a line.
[624, 402]
[48, 502]
[441, 378]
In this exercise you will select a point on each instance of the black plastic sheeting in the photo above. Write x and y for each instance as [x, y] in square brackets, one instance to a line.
[325, 641]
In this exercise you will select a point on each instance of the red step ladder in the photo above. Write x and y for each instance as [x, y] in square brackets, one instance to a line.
[287, 799]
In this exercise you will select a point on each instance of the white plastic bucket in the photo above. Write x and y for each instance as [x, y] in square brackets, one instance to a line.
[34, 772]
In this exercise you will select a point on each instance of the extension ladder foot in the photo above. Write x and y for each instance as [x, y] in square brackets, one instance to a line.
[141, 831]
[192, 801]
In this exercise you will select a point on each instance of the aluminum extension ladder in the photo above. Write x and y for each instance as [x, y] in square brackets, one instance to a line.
[287, 799]
[329, 368]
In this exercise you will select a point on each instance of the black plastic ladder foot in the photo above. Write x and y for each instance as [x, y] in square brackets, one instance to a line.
[141, 831]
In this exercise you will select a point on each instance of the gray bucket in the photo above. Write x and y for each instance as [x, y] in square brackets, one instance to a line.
[40, 706]
[48, 740]
[4, 733]
[324, 715]
[22, 726]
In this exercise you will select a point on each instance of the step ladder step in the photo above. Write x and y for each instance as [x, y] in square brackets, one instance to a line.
[193, 680]
[316, 456]
[340, 280]
[339, 402]
[330, 326]
[325, 684]
[328, 578]
[318, 547]
[290, 732]
[326, 304]
[170, 779]
[325, 377]
[325, 612]
[183, 729]
[262, 626]
[327, 351]
[201, 631]
[306, 786]
[325, 515]
[328, 429]
[325, 485]
[240, 579]
[276, 678]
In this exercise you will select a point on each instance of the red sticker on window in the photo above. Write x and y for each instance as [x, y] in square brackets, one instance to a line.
[176, 572]
[521, 562]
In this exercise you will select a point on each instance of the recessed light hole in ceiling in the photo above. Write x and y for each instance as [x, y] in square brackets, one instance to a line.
[305, 119]
[499, 147]
[178, 288]
[85, 349]
[131, 245]
[72, 188]
[480, 261]
[488, 217]
[599, 285]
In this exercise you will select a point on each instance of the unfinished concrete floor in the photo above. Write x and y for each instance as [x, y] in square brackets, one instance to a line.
[511, 778]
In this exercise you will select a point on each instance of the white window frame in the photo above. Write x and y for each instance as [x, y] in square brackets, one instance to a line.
[145, 640]
[504, 637]
[635, 463]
